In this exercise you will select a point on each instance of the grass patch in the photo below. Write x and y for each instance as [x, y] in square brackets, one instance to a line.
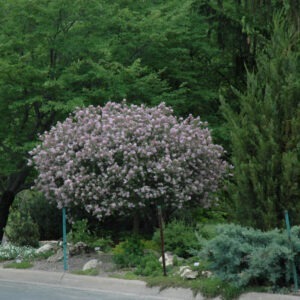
[21, 265]
[44, 255]
[127, 276]
[89, 272]
[208, 287]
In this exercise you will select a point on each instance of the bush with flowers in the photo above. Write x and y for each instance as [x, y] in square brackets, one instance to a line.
[125, 159]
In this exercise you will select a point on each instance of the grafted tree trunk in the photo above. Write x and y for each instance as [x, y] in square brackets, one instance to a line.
[136, 223]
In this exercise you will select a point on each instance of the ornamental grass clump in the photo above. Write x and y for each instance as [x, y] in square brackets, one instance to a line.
[125, 158]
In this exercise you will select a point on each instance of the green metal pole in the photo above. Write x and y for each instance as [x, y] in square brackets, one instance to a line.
[65, 239]
[288, 227]
[160, 222]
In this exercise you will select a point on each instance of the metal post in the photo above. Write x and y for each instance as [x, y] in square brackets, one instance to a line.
[162, 239]
[65, 239]
[288, 227]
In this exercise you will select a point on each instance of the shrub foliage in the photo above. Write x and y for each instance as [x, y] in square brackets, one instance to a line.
[179, 238]
[22, 230]
[246, 256]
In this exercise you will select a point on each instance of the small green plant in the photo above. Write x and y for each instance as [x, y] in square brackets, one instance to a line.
[150, 245]
[128, 253]
[18, 265]
[208, 287]
[179, 238]
[21, 230]
[44, 255]
[128, 276]
[176, 261]
[104, 244]
[148, 266]
[89, 272]
[80, 232]
[9, 252]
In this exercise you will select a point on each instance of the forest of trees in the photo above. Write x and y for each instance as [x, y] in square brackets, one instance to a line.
[234, 63]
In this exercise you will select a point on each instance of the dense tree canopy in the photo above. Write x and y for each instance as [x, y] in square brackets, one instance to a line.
[57, 55]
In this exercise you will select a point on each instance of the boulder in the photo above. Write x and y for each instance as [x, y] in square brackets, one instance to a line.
[169, 257]
[45, 248]
[78, 248]
[58, 256]
[53, 243]
[207, 274]
[187, 273]
[91, 264]
[61, 244]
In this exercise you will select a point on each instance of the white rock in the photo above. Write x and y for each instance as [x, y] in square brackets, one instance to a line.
[53, 242]
[169, 257]
[91, 264]
[44, 248]
[182, 268]
[78, 248]
[61, 244]
[58, 256]
[187, 272]
[207, 274]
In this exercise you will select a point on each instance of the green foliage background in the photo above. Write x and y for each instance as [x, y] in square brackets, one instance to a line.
[56, 55]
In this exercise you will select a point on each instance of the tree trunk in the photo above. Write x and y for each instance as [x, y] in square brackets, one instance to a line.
[136, 223]
[5, 203]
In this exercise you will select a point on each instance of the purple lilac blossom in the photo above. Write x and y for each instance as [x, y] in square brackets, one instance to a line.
[120, 157]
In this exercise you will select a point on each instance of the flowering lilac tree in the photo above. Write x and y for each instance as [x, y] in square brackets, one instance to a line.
[121, 159]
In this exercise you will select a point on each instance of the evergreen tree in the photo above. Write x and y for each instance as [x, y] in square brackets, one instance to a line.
[265, 134]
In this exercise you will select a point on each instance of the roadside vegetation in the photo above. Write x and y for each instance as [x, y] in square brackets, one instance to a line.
[183, 114]
[224, 259]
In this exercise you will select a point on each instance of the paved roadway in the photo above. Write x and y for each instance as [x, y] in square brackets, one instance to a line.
[41, 285]
[28, 291]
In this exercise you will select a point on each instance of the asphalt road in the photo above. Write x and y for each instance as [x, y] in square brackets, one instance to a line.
[41, 285]
[28, 291]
